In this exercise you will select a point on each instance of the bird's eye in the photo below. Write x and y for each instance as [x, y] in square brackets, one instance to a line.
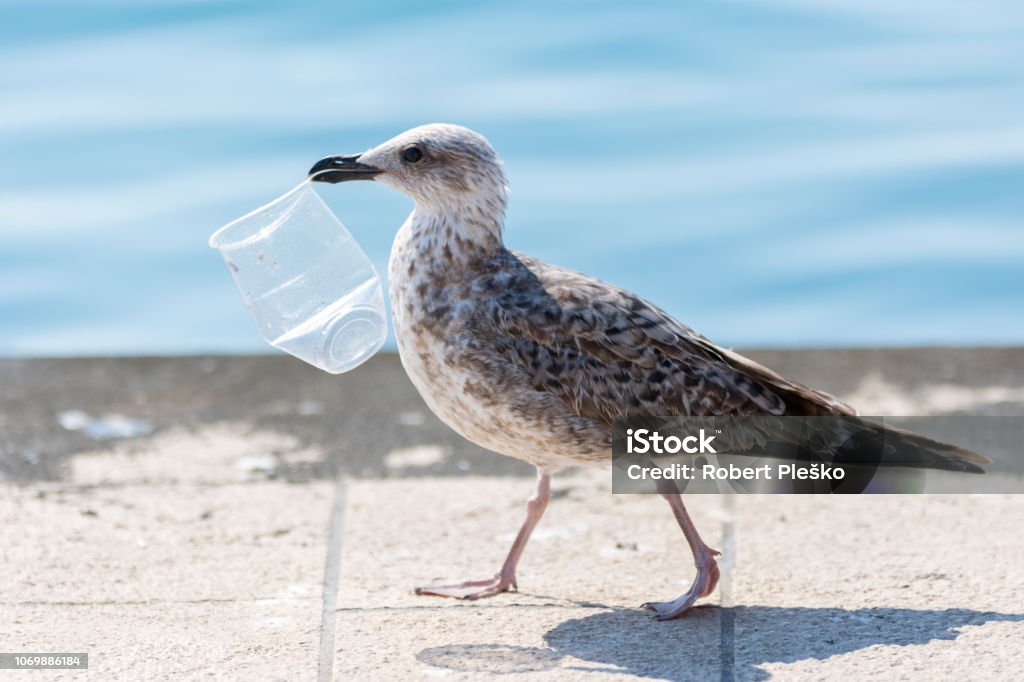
[412, 154]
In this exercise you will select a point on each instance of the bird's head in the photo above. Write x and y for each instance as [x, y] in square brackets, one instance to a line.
[442, 167]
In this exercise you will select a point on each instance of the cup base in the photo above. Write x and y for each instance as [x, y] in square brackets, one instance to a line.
[350, 339]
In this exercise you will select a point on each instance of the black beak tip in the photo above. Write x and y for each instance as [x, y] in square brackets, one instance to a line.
[341, 168]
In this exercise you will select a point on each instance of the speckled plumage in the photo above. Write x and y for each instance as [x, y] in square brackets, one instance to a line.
[552, 357]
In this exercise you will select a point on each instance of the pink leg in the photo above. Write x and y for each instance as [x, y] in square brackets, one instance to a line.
[505, 579]
[703, 557]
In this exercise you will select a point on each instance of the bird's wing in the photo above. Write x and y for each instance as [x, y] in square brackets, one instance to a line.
[608, 353]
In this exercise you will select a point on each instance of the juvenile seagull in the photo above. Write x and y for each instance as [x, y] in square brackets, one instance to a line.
[534, 361]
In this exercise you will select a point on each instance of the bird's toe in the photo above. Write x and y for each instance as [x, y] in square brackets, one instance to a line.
[468, 589]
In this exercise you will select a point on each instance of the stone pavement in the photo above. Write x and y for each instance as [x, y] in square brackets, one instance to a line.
[251, 518]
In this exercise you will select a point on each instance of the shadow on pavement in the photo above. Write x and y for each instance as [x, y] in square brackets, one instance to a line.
[502, 659]
[630, 641]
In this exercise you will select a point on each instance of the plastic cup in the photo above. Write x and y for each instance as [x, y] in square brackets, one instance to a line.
[309, 288]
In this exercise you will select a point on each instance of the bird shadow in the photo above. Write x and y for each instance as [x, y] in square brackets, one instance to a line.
[711, 642]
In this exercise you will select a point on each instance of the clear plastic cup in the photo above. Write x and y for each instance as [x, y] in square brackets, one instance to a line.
[310, 289]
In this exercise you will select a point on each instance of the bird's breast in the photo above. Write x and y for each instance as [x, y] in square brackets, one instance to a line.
[430, 318]
[461, 365]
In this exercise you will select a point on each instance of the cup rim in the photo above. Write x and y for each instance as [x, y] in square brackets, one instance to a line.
[216, 240]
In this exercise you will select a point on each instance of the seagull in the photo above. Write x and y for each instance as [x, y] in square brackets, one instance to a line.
[535, 361]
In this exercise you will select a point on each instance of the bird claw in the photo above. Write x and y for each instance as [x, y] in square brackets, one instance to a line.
[469, 589]
[668, 610]
[703, 585]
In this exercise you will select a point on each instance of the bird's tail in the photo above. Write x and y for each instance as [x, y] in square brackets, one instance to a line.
[837, 439]
[901, 448]
[852, 440]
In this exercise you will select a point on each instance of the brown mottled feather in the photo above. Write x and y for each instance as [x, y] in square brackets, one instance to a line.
[608, 353]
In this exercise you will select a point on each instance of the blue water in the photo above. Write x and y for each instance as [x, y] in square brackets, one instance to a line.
[774, 173]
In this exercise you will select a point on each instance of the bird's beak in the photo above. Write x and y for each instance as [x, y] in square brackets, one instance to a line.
[341, 168]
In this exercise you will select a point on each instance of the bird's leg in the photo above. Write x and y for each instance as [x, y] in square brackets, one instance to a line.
[704, 559]
[505, 579]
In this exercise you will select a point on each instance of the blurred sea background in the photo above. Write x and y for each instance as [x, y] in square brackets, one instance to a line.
[774, 173]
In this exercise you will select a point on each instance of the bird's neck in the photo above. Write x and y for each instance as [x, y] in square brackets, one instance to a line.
[457, 237]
